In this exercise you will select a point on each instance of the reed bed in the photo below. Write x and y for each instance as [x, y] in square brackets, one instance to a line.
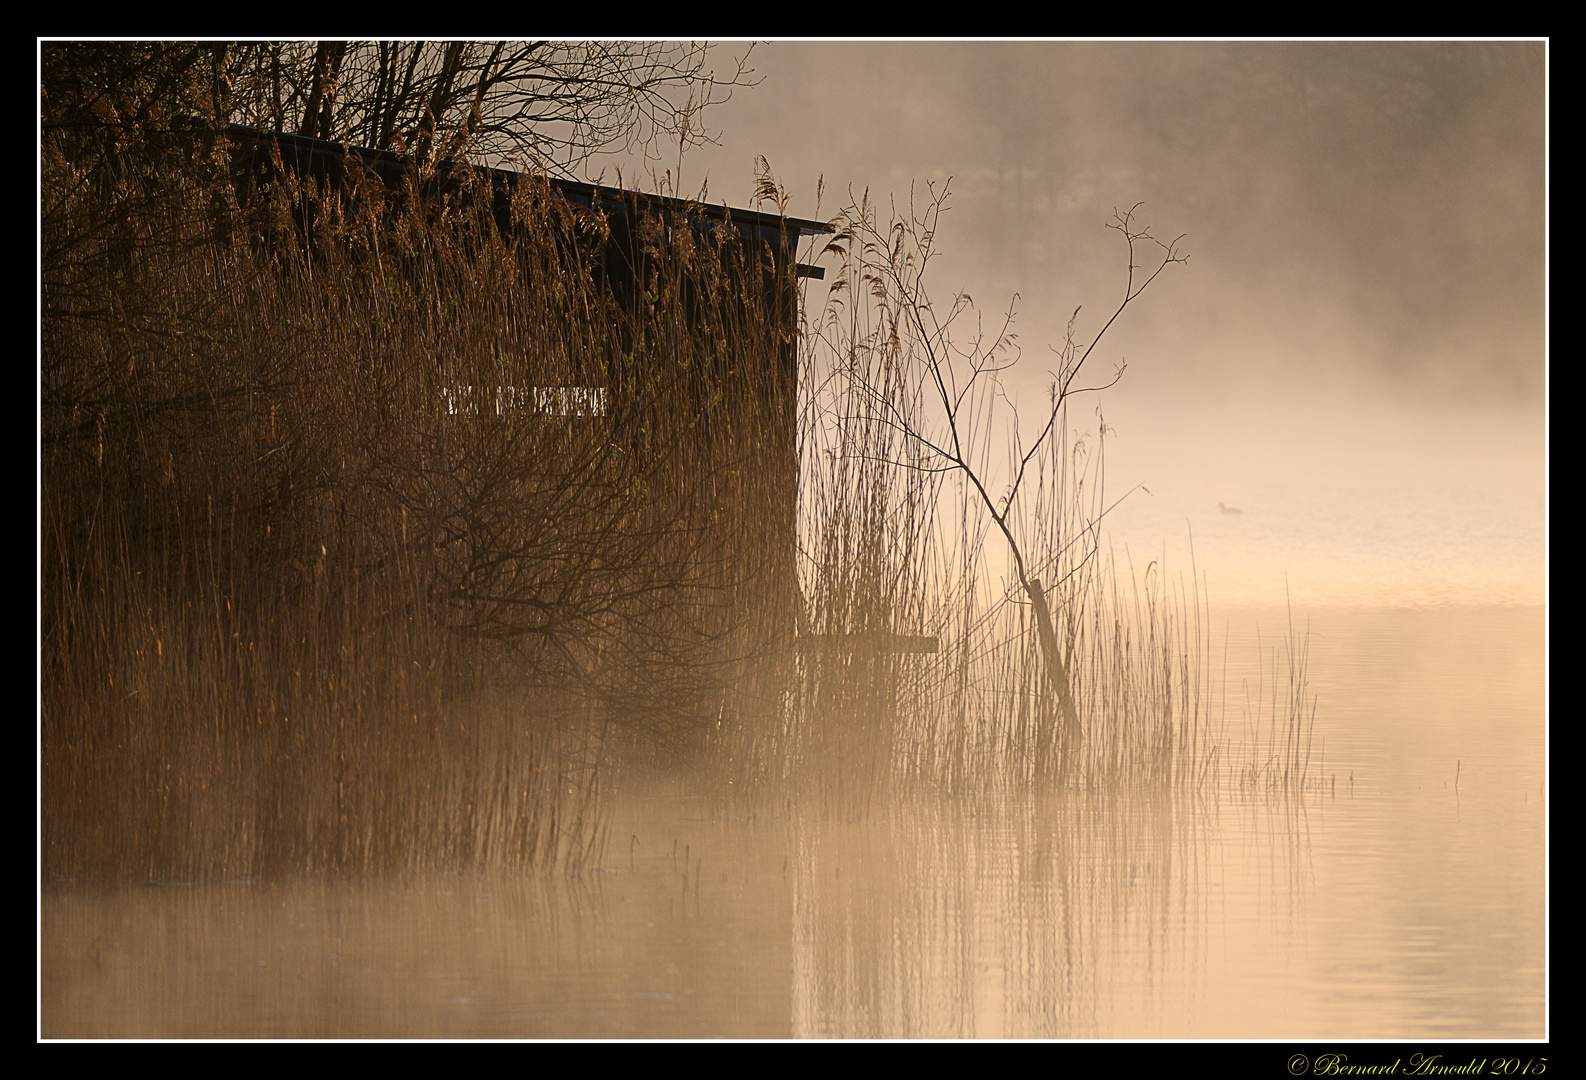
[903, 432]
[383, 527]
[371, 529]
[1280, 721]
[979, 713]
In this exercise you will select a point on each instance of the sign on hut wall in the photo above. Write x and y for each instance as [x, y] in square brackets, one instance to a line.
[566, 401]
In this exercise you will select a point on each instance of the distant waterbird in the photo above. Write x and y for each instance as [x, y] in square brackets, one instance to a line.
[1229, 509]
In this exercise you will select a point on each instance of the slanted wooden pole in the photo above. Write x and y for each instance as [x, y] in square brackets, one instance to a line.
[1056, 673]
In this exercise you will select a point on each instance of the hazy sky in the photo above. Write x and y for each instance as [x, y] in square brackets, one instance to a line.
[1360, 217]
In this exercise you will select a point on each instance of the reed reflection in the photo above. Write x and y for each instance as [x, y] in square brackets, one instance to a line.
[1089, 915]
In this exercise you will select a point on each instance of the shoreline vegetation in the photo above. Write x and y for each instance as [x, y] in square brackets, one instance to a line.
[303, 614]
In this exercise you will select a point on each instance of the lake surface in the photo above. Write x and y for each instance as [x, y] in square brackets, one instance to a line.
[1403, 898]
[1340, 504]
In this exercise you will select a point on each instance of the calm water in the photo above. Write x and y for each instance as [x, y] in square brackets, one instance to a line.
[1394, 903]
[1340, 504]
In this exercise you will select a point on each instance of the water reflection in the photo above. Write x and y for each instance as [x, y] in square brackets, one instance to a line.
[1404, 898]
[994, 919]
[1072, 917]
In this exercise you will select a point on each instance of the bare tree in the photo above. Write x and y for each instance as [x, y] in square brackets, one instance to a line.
[551, 104]
[547, 103]
[959, 383]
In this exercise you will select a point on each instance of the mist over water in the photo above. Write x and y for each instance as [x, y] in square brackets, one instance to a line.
[1339, 503]
[1330, 430]
[1402, 901]
[1401, 897]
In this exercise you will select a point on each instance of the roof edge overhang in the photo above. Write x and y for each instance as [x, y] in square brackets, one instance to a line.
[582, 192]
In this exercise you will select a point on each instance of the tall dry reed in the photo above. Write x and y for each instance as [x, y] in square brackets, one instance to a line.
[371, 527]
[910, 456]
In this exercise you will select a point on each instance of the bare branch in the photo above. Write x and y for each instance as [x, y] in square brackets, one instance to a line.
[964, 383]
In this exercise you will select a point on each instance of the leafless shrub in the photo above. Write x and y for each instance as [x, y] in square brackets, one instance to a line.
[1080, 672]
[542, 104]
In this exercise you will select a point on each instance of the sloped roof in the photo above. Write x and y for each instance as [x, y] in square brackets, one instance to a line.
[389, 166]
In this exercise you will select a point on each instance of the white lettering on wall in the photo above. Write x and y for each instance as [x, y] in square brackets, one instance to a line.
[574, 401]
